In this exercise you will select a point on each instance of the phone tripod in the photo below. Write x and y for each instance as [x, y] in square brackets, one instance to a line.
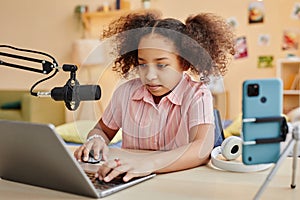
[292, 143]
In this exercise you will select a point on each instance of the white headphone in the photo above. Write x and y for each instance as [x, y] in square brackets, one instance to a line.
[231, 149]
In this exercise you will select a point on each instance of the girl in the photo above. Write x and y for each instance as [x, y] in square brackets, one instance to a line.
[166, 117]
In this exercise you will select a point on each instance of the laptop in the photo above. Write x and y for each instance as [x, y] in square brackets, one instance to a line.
[219, 133]
[34, 154]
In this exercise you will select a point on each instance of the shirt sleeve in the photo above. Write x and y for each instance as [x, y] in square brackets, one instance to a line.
[112, 115]
[201, 108]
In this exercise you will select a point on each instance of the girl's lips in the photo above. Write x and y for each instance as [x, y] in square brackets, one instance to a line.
[153, 87]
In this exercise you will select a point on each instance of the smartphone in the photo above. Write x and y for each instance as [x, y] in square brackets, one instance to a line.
[262, 98]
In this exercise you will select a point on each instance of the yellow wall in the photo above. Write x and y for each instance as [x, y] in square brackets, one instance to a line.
[51, 26]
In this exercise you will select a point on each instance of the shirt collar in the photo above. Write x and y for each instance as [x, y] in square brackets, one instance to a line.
[142, 93]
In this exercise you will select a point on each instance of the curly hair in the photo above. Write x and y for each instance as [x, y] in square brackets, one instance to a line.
[204, 44]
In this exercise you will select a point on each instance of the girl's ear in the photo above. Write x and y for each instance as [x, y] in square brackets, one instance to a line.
[185, 64]
[185, 67]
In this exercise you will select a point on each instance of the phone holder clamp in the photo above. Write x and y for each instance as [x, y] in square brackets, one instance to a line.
[284, 129]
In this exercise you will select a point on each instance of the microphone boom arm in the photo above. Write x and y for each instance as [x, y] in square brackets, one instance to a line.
[47, 66]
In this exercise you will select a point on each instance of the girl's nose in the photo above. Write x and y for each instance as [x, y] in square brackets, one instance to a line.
[151, 73]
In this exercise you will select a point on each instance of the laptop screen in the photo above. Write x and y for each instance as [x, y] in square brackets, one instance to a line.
[219, 134]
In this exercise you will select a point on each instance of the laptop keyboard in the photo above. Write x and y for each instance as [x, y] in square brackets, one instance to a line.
[101, 185]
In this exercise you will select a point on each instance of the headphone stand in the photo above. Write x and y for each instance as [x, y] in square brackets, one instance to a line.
[293, 142]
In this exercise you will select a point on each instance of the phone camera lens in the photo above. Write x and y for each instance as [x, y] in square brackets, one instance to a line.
[263, 99]
[253, 90]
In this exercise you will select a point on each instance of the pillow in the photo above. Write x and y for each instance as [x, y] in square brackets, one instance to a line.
[294, 115]
[77, 131]
[235, 128]
[11, 105]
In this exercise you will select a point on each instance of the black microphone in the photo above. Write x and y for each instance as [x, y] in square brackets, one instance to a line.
[72, 95]
[78, 93]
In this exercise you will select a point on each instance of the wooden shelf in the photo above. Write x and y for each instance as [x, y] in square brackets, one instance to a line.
[288, 70]
[103, 17]
[291, 92]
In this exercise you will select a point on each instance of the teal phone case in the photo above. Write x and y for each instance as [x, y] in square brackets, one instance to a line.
[265, 102]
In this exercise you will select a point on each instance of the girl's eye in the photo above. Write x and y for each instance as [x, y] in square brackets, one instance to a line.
[142, 65]
[161, 65]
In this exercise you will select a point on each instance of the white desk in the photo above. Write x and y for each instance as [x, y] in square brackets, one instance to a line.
[198, 183]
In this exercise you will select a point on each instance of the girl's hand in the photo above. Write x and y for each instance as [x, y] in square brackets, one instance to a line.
[97, 144]
[133, 168]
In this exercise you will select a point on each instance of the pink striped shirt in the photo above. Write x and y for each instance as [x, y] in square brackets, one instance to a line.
[165, 126]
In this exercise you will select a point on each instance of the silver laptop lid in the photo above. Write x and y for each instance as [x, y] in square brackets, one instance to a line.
[33, 154]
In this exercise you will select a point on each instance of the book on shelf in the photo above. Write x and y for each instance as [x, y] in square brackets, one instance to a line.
[295, 83]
